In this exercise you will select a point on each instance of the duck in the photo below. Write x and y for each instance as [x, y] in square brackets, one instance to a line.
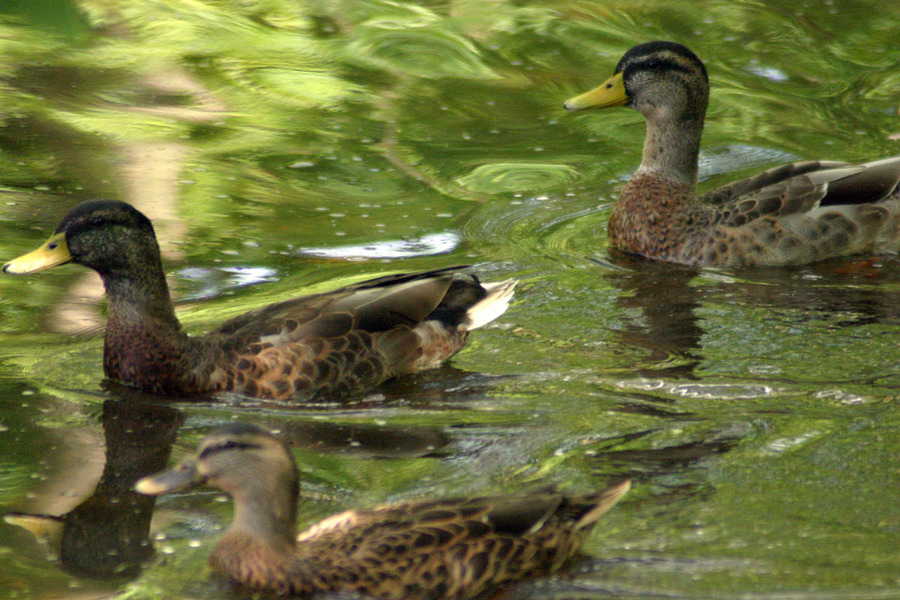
[793, 214]
[334, 343]
[416, 550]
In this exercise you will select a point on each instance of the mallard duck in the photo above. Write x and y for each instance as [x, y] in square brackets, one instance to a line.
[794, 214]
[434, 549]
[340, 341]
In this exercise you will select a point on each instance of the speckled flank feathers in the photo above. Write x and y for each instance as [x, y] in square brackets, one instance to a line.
[794, 214]
[427, 549]
[332, 343]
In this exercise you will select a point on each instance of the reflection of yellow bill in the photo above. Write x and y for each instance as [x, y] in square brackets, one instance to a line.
[610, 93]
[54, 252]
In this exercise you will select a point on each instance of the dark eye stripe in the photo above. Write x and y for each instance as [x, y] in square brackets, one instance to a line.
[229, 445]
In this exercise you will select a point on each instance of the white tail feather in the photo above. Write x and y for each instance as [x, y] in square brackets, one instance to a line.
[491, 306]
[608, 499]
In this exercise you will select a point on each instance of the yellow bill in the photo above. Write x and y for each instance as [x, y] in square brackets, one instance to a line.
[182, 477]
[54, 252]
[610, 93]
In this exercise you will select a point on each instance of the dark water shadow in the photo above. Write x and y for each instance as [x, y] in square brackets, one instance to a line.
[608, 456]
[847, 292]
[851, 291]
[442, 387]
[645, 463]
[107, 534]
[366, 440]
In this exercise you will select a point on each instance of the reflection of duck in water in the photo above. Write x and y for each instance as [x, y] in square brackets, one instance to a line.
[107, 533]
[422, 549]
[660, 316]
[668, 310]
[345, 340]
[793, 214]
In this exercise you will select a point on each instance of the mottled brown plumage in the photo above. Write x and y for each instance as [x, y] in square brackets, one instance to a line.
[793, 214]
[427, 549]
[341, 341]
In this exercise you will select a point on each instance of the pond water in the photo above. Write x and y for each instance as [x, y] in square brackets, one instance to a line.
[284, 147]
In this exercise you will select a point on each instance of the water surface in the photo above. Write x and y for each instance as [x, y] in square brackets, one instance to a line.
[285, 147]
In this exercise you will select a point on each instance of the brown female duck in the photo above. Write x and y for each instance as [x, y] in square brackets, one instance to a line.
[349, 339]
[436, 550]
[794, 214]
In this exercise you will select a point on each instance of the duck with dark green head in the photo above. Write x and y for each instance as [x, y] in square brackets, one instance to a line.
[425, 549]
[342, 341]
[793, 214]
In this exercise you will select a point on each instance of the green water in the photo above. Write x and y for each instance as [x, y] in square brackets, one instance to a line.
[288, 146]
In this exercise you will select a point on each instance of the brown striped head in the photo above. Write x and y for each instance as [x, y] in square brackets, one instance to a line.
[244, 460]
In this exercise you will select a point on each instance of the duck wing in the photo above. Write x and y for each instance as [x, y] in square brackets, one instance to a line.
[800, 187]
[744, 187]
[805, 212]
[452, 548]
[374, 305]
[353, 337]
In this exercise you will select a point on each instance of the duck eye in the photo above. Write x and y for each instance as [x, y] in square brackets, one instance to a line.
[608, 85]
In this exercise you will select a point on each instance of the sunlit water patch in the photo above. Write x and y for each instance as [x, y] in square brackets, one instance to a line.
[213, 282]
[708, 391]
[734, 157]
[427, 245]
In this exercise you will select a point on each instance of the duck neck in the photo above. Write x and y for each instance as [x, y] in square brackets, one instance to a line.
[672, 149]
[144, 344]
[665, 183]
[260, 551]
[142, 296]
[267, 511]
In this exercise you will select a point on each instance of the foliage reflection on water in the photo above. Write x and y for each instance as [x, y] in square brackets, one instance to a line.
[289, 147]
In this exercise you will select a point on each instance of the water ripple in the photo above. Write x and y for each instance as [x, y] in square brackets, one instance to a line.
[423, 51]
[552, 227]
[518, 177]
